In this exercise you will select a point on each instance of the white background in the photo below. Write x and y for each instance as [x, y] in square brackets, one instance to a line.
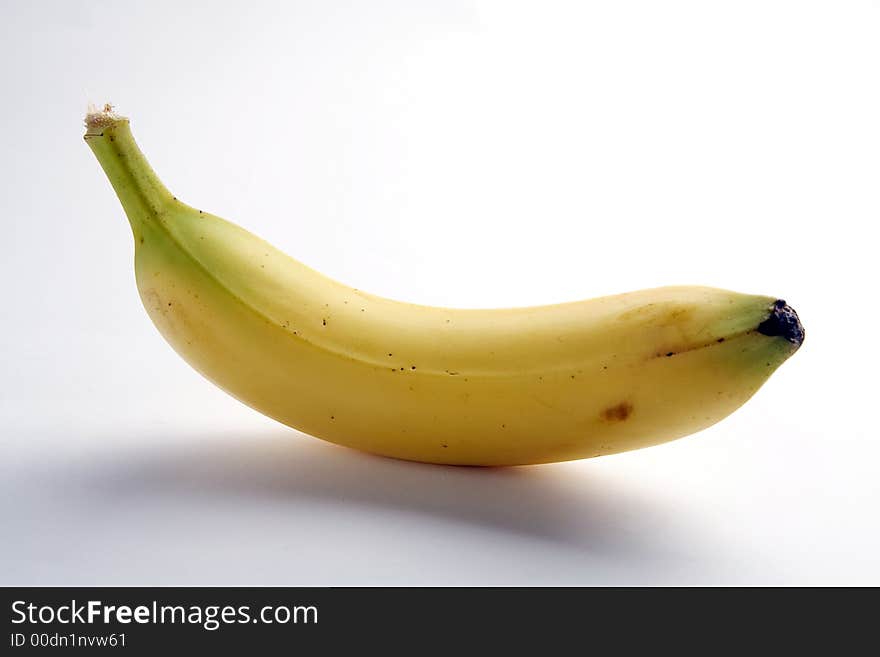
[450, 153]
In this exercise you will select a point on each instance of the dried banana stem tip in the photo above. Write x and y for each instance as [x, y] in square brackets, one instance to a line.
[784, 322]
[98, 119]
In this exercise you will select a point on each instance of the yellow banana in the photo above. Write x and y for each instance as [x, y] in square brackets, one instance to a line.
[477, 387]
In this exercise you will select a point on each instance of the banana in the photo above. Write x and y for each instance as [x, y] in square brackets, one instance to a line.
[472, 387]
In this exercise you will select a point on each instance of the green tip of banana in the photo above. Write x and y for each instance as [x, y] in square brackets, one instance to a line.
[510, 386]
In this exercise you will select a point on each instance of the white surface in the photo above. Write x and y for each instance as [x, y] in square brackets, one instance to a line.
[449, 153]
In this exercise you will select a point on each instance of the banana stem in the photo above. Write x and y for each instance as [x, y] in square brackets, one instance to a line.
[136, 184]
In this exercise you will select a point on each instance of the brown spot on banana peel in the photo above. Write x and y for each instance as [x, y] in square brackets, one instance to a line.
[617, 413]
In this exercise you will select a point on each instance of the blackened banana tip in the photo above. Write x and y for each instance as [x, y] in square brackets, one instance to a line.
[783, 322]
